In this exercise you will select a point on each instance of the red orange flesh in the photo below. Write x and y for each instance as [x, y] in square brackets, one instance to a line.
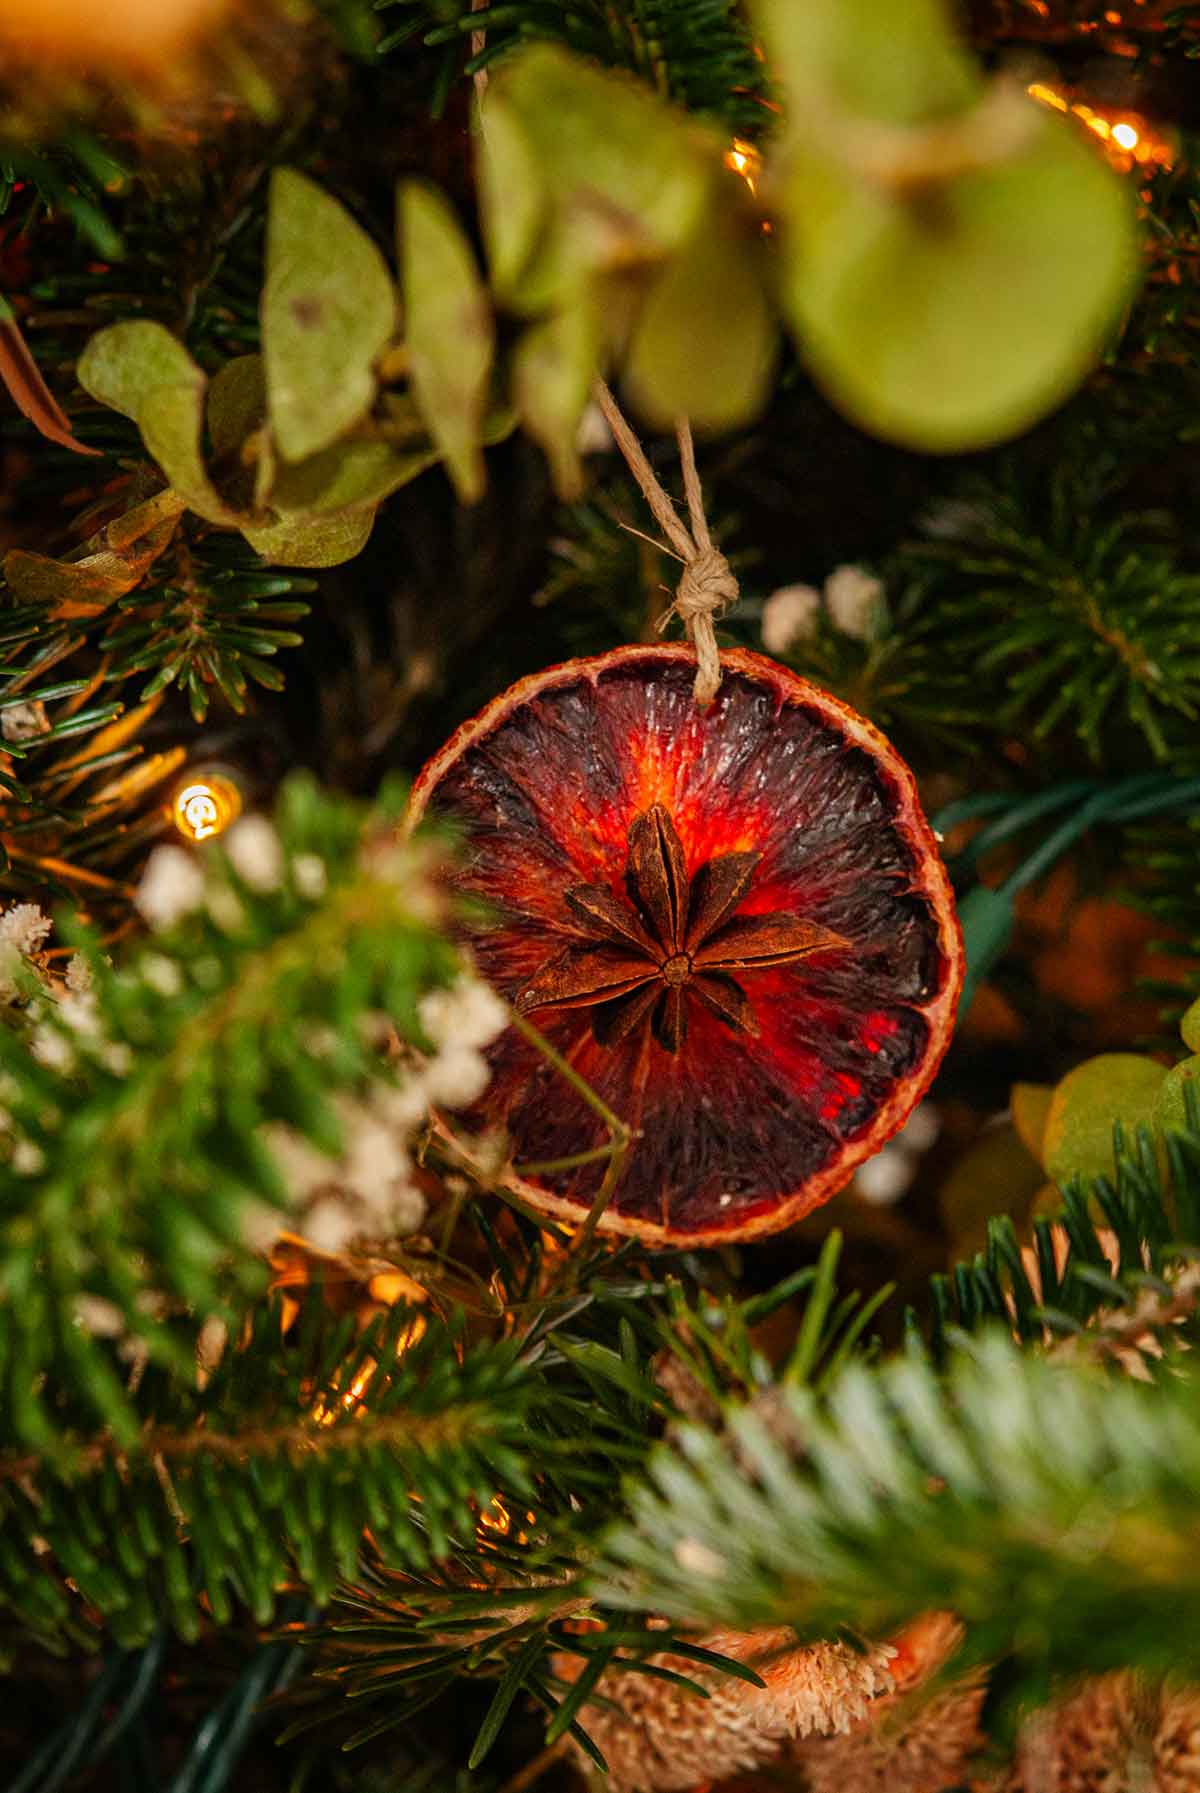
[737, 1133]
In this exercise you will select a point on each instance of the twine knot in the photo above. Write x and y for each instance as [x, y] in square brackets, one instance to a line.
[706, 589]
[707, 586]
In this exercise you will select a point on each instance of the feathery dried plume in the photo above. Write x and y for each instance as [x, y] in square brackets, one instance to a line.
[904, 1744]
[1118, 1734]
[657, 1737]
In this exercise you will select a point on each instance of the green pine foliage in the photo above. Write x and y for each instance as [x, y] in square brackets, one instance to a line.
[699, 53]
[134, 1109]
[265, 1478]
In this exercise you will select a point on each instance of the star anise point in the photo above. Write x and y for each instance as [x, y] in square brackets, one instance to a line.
[675, 937]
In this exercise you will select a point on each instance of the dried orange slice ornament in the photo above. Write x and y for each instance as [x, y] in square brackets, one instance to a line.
[732, 922]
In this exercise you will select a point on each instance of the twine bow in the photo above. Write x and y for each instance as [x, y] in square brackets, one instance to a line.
[707, 586]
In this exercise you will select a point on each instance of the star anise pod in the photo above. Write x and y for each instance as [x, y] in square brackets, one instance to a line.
[670, 939]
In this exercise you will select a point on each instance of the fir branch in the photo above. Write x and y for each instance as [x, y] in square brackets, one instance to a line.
[1115, 1241]
[133, 1152]
[699, 53]
[269, 1475]
[1030, 607]
[1022, 1494]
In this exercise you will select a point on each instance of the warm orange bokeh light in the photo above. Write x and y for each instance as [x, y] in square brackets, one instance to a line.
[1129, 140]
[106, 37]
[205, 804]
[744, 159]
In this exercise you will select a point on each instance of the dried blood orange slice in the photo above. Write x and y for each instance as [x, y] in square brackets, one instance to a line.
[732, 922]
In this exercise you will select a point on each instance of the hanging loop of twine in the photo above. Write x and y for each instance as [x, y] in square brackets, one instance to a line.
[707, 586]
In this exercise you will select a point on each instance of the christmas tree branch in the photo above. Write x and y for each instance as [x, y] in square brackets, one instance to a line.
[134, 1157]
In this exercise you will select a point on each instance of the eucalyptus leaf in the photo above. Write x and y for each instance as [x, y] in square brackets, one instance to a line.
[1116, 1086]
[1030, 1103]
[347, 476]
[1189, 1026]
[955, 315]
[512, 194]
[898, 61]
[237, 404]
[123, 363]
[626, 176]
[448, 330]
[1170, 1107]
[554, 367]
[328, 312]
[171, 422]
[301, 541]
[704, 343]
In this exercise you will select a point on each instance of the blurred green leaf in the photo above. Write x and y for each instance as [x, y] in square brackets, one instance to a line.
[1116, 1086]
[626, 176]
[1030, 1109]
[554, 367]
[954, 315]
[705, 338]
[349, 475]
[328, 311]
[895, 60]
[513, 197]
[1170, 1107]
[448, 330]
[1189, 1027]
[237, 404]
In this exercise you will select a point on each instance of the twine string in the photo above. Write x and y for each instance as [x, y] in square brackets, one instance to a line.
[707, 586]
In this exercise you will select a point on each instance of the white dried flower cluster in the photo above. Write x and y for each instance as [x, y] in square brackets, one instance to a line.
[852, 598]
[460, 1021]
[175, 885]
[68, 1022]
[23, 928]
[256, 853]
[883, 1179]
[172, 886]
[369, 1190]
[790, 615]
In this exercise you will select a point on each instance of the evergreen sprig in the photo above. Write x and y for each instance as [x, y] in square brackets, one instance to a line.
[1028, 609]
[699, 53]
[268, 1476]
[132, 1144]
[1048, 1505]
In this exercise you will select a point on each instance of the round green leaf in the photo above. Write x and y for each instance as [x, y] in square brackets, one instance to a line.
[237, 404]
[1189, 1027]
[1171, 1109]
[1116, 1086]
[955, 315]
[554, 367]
[894, 60]
[120, 365]
[346, 476]
[512, 194]
[1030, 1104]
[170, 421]
[312, 541]
[448, 330]
[704, 345]
[328, 312]
[625, 176]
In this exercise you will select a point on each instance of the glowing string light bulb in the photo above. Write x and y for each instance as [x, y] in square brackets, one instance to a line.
[205, 804]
